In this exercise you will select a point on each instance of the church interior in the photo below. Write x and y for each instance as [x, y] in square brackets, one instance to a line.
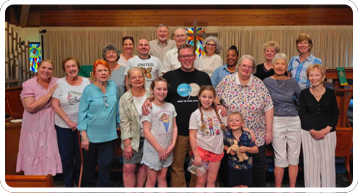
[83, 30]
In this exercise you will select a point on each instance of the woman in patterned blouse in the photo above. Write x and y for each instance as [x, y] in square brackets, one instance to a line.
[244, 93]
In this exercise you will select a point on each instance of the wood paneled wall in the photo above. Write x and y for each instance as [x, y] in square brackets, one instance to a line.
[213, 17]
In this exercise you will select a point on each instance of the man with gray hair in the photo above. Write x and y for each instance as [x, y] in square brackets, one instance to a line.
[170, 61]
[162, 44]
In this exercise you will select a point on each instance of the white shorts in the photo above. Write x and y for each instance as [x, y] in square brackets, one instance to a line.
[286, 140]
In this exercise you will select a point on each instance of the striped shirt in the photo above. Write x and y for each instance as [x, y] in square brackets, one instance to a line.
[298, 69]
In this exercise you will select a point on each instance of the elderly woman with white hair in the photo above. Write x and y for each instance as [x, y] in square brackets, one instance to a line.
[245, 93]
[286, 123]
[211, 60]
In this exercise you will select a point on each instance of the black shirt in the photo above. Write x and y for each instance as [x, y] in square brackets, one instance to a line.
[183, 94]
[262, 72]
[318, 115]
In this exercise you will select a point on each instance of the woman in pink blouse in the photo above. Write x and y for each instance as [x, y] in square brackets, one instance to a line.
[245, 93]
[38, 150]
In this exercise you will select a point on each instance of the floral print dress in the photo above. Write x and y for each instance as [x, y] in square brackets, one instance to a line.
[251, 100]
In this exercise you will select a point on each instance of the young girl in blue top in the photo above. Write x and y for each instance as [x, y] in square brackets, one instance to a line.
[160, 132]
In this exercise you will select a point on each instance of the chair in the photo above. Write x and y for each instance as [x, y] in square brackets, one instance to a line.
[343, 151]
[29, 180]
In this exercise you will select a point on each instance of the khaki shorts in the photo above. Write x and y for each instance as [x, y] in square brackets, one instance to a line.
[137, 156]
[286, 140]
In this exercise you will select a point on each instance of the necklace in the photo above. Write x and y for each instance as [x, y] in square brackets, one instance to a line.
[279, 85]
[318, 93]
[266, 67]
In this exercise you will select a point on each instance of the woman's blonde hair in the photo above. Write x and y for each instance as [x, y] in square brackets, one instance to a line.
[129, 73]
[273, 44]
[321, 68]
[45, 60]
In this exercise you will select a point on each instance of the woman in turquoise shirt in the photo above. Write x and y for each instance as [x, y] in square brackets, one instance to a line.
[98, 118]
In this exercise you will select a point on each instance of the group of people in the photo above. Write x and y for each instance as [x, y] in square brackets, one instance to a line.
[169, 104]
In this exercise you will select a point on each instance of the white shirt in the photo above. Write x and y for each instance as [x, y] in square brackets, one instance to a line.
[210, 63]
[152, 68]
[122, 61]
[211, 138]
[69, 97]
[161, 119]
[139, 101]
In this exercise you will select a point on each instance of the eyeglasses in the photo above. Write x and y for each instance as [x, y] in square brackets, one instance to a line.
[180, 36]
[186, 56]
[105, 101]
[210, 44]
[247, 67]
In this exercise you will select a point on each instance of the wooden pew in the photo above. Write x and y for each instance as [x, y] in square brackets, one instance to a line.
[12, 138]
[13, 104]
[29, 181]
[343, 149]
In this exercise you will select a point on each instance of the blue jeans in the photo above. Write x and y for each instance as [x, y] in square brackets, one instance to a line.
[101, 153]
[70, 155]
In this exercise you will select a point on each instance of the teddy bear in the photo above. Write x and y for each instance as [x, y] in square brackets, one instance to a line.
[235, 148]
[147, 72]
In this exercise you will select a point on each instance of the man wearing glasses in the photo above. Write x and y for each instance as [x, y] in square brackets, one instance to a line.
[171, 61]
[185, 82]
[162, 44]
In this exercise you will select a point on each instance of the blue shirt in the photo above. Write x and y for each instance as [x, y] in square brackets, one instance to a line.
[298, 69]
[99, 113]
[245, 140]
[219, 74]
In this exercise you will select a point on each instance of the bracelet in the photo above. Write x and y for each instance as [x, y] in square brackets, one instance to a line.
[84, 138]
[128, 144]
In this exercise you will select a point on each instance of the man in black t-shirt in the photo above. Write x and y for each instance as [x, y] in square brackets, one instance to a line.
[185, 83]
